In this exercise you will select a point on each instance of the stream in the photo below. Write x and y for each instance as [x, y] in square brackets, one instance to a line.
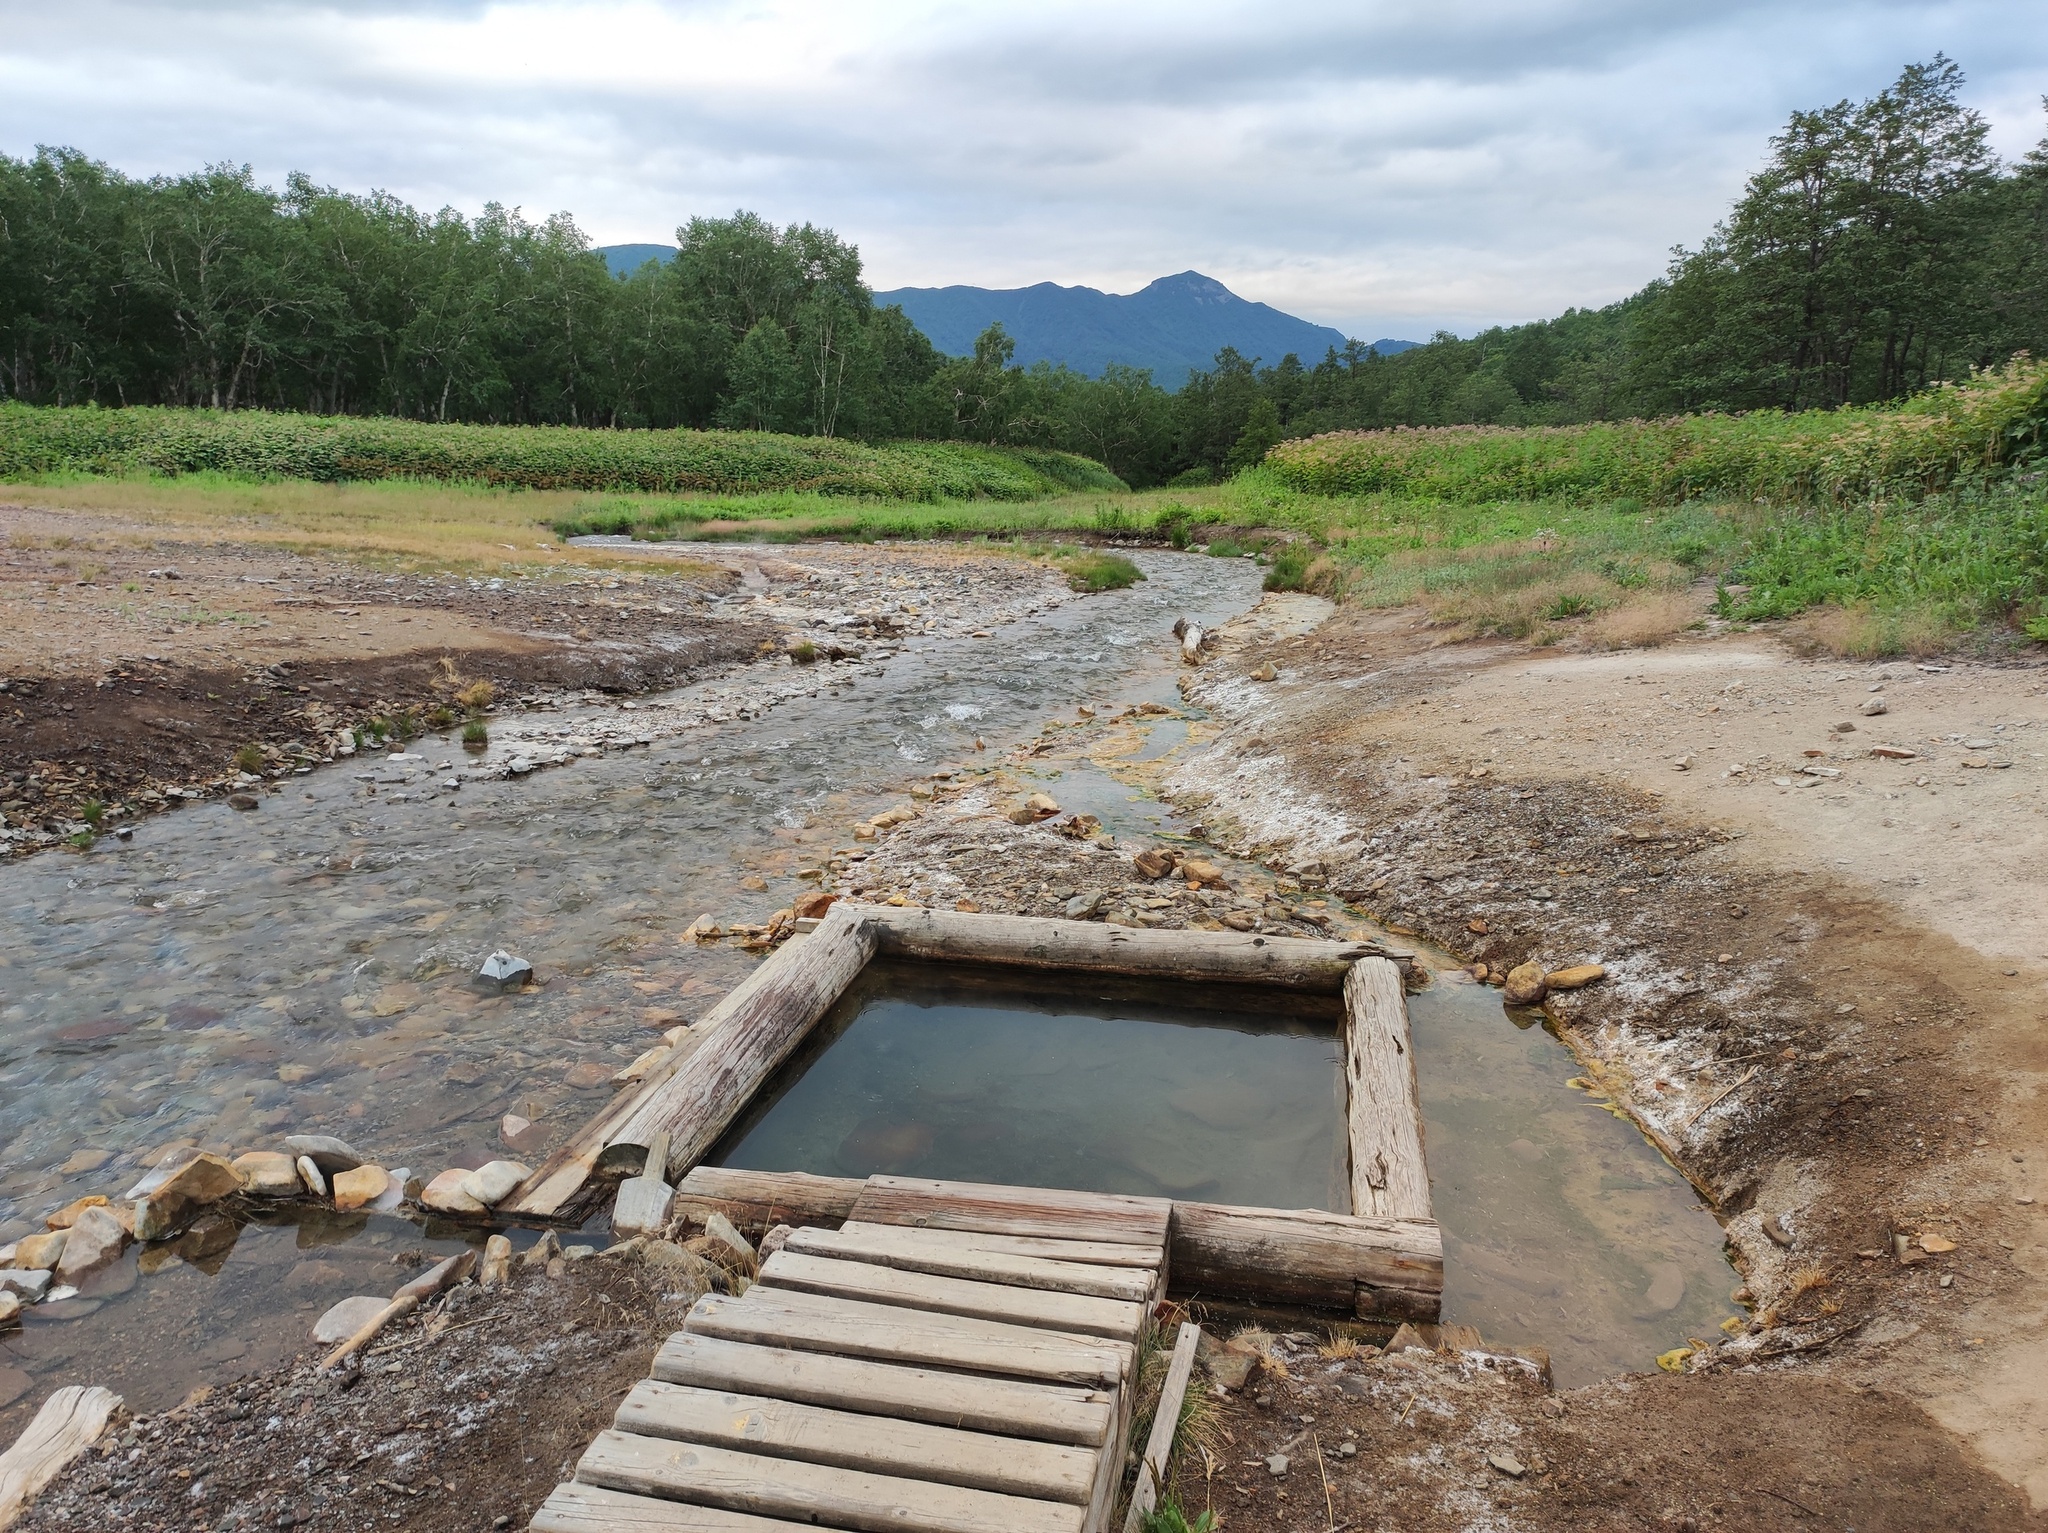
[225, 979]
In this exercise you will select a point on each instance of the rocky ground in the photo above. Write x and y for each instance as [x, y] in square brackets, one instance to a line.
[1823, 992]
[140, 665]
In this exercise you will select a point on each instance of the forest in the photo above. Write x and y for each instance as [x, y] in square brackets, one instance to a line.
[1881, 248]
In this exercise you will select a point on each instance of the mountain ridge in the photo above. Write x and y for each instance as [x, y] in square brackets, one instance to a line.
[1172, 326]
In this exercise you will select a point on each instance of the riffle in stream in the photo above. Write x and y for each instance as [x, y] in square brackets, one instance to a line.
[226, 979]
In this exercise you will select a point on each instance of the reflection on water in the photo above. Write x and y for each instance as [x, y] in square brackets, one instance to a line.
[1563, 1227]
[1097, 1085]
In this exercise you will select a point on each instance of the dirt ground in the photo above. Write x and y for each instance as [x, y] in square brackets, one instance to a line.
[1824, 999]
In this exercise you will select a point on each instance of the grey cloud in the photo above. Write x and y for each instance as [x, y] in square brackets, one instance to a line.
[1384, 167]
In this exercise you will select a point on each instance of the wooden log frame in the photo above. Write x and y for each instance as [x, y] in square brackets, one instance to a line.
[1383, 1260]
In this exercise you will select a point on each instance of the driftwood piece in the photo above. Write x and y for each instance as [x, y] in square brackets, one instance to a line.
[709, 1076]
[69, 1423]
[1389, 1179]
[1296, 963]
[1391, 1268]
[1165, 1426]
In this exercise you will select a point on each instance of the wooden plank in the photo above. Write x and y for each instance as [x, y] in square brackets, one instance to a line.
[1165, 1425]
[754, 1423]
[1033, 1211]
[760, 1200]
[1389, 1179]
[930, 1293]
[574, 1508]
[1032, 942]
[1306, 1256]
[927, 1251]
[1093, 1253]
[707, 1079]
[1059, 1413]
[808, 1322]
[67, 1424]
[815, 1493]
[1109, 1469]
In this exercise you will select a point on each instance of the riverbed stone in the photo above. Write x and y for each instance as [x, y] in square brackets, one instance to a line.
[1154, 863]
[363, 1184]
[1197, 870]
[198, 1184]
[343, 1320]
[521, 1134]
[27, 1286]
[40, 1253]
[1574, 976]
[325, 1151]
[310, 1176]
[496, 1269]
[10, 1308]
[67, 1216]
[96, 1239]
[1525, 985]
[491, 1183]
[447, 1194]
[268, 1174]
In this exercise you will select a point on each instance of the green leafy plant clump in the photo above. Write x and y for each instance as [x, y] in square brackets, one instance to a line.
[42, 441]
[1949, 437]
[1091, 570]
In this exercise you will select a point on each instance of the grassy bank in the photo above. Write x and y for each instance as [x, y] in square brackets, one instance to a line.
[42, 442]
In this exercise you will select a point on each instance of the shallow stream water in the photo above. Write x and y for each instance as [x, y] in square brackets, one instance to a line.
[226, 979]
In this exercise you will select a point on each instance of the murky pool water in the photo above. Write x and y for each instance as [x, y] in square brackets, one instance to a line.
[228, 978]
[1162, 1091]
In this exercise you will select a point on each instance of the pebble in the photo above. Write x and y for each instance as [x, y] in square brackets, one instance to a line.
[1347, 1450]
[588, 1076]
[267, 1174]
[325, 1151]
[448, 1193]
[1276, 1463]
[491, 1183]
[1873, 706]
[309, 1174]
[97, 1238]
[363, 1184]
[201, 1182]
[343, 1320]
[1525, 985]
[1507, 1463]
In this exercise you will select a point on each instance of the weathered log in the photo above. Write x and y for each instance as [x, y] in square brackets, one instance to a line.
[1295, 963]
[1389, 1179]
[442, 1275]
[710, 1074]
[1165, 1425]
[1372, 1267]
[760, 1200]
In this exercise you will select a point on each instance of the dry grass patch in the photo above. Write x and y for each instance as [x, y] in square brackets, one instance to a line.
[1866, 632]
[1645, 621]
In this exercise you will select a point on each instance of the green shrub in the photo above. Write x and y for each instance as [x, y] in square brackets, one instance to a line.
[1094, 571]
[39, 441]
[1950, 437]
[1289, 569]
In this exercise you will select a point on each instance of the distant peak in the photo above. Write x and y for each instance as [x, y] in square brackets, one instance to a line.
[1193, 283]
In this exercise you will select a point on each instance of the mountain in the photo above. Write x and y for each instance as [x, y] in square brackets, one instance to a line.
[626, 259]
[1172, 326]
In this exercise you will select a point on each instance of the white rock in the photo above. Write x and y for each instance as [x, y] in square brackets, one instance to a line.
[347, 1318]
[1873, 706]
[29, 1287]
[492, 1183]
[310, 1175]
[446, 1194]
[720, 1228]
[97, 1238]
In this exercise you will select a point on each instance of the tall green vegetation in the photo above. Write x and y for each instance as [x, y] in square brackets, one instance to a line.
[1880, 249]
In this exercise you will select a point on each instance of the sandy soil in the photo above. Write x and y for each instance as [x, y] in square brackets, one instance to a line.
[1830, 1018]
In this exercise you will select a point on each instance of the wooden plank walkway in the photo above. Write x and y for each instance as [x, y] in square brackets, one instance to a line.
[955, 1358]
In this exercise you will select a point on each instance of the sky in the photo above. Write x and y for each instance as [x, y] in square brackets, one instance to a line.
[1390, 167]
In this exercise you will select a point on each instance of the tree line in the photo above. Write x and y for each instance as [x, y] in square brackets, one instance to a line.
[1882, 247]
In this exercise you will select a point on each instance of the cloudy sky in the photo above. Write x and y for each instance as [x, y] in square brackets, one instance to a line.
[1386, 166]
